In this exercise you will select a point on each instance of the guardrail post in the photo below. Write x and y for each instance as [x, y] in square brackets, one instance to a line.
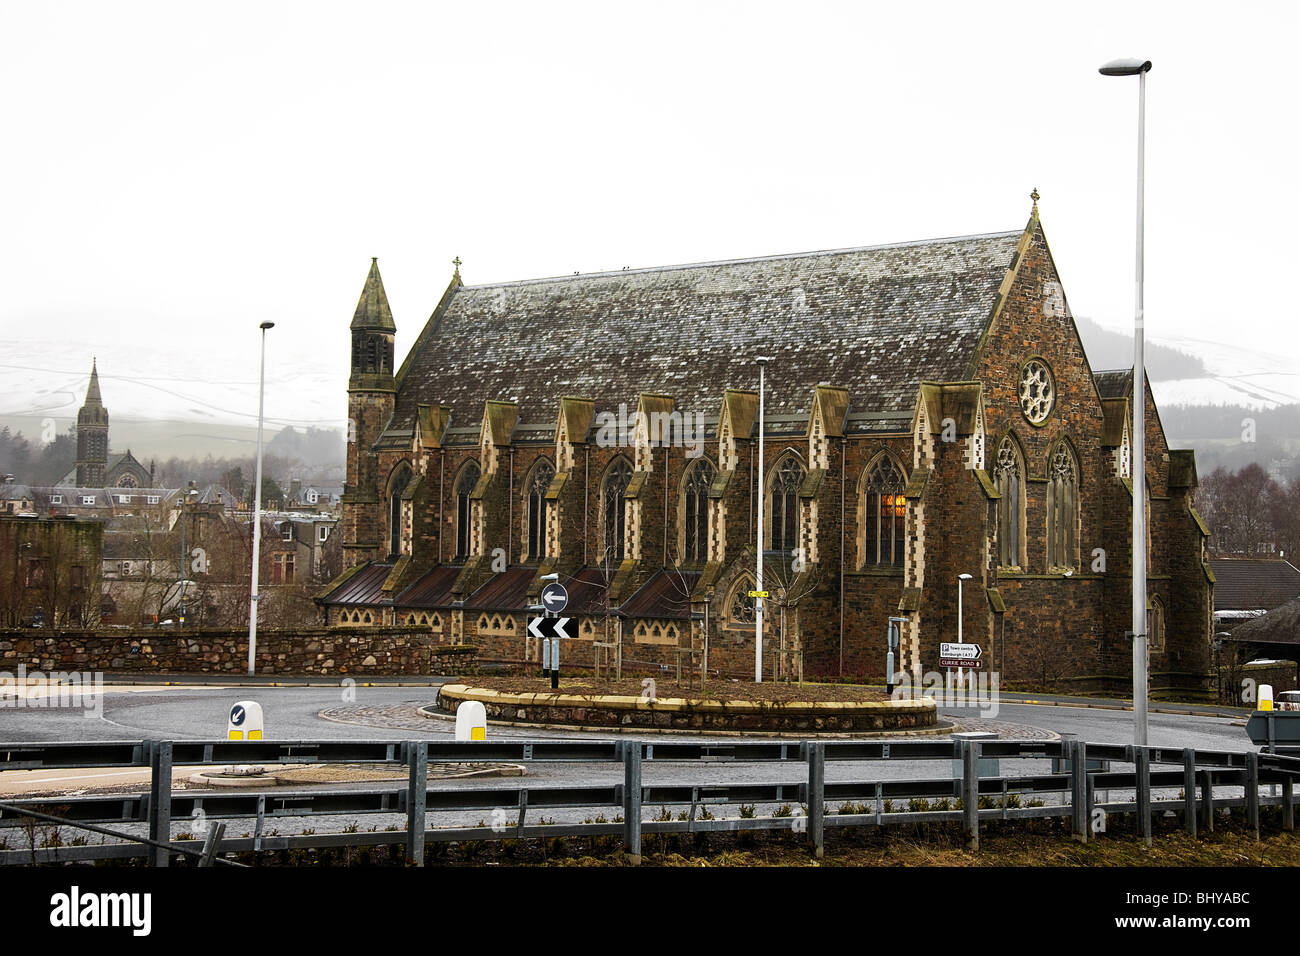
[632, 801]
[1189, 791]
[970, 792]
[212, 844]
[1252, 791]
[1078, 792]
[417, 788]
[260, 826]
[1288, 806]
[1141, 758]
[817, 797]
[160, 800]
[1207, 800]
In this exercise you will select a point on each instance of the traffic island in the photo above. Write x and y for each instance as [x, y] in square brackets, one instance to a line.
[734, 708]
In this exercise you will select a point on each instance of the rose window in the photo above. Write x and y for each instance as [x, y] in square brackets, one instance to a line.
[1037, 391]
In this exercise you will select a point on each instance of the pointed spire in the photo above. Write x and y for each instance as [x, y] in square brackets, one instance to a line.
[92, 393]
[373, 312]
[456, 262]
[1035, 197]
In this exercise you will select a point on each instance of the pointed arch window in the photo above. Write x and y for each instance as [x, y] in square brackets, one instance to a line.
[695, 510]
[740, 606]
[886, 513]
[1062, 508]
[783, 504]
[614, 507]
[1010, 479]
[1155, 624]
[401, 478]
[538, 483]
[469, 477]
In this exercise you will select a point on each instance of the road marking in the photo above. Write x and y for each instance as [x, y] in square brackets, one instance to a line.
[85, 776]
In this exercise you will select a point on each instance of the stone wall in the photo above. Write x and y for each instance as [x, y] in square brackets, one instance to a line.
[296, 652]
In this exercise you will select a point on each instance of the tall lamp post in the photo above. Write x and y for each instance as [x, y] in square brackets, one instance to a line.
[1138, 68]
[185, 499]
[758, 561]
[253, 596]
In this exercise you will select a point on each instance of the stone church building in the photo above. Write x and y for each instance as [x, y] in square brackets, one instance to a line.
[93, 469]
[930, 413]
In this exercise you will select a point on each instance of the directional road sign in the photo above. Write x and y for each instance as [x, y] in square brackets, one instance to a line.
[554, 597]
[549, 627]
[960, 652]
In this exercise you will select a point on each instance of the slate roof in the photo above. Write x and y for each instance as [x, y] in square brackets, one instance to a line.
[10, 491]
[874, 320]
[364, 587]
[666, 595]
[587, 590]
[507, 591]
[1114, 383]
[432, 590]
[161, 546]
[1250, 584]
[1279, 628]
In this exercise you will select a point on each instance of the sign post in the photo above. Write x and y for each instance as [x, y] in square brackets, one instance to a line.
[555, 598]
[549, 630]
[961, 655]
[892, 652]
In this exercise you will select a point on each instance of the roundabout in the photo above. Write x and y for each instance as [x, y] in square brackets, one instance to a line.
[772, 709]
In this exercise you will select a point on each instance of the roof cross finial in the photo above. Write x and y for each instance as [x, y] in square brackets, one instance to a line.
[1034, 196]
[456, 263]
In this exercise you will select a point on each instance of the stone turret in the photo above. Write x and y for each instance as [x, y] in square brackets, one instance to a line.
[371, 392]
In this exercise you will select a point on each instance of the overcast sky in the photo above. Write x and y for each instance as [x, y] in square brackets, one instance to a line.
[176, 173]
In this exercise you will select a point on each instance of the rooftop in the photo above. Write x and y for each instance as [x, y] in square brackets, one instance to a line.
[876, 320]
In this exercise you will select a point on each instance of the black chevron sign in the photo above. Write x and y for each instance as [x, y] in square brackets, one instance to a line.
[549, 627]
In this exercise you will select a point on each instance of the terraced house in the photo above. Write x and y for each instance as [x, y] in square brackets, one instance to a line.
[930, 412]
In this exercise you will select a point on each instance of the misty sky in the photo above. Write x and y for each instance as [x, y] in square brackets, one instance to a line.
[176, 173]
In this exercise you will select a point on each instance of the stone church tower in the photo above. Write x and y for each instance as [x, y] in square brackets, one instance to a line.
[371, 392]
[92, 436]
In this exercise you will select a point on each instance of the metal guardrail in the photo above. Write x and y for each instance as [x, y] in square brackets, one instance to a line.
[1084, 769]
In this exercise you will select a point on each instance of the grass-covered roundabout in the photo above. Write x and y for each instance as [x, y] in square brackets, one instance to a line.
[653, 705]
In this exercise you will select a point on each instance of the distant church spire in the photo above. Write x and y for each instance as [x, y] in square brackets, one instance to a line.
[93, 398]
[92, 435]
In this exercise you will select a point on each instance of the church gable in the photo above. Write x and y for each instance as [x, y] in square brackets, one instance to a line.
[1031, 364]
[127, 472]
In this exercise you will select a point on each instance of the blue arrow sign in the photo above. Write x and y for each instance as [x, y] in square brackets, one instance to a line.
[554, 597]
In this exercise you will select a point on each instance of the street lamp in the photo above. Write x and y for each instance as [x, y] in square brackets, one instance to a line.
[758, 571]
[254, 597]
[1138, 68]
[186, 498]
[961, 579]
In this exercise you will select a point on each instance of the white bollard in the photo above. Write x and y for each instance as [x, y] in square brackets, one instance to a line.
[471, 721]
[245, 721]
[1265, 697]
